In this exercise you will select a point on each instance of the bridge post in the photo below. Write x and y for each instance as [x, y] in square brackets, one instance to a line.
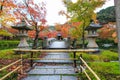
[81, 63]
[21, 56]
[69, 42]
[74, 43]
[74, 53]
[44, 43]
[31, 61]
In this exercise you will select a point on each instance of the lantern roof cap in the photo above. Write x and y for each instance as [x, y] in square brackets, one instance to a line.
[93, 26]
[22, 26]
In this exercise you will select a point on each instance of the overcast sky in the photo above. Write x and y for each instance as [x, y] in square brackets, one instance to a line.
[54, 6]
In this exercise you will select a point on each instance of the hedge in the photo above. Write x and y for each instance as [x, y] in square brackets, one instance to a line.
[8, 44]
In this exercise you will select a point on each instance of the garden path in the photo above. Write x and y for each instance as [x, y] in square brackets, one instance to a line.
[54, 69]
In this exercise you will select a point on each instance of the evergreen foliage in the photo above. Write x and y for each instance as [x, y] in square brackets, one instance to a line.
[106, 15]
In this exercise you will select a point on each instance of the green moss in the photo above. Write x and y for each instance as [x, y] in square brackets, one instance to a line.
[104, 55]
[107, 54]
[13, 76]
[3, 73]
[10, 54]
[8, 44]
[106, 70]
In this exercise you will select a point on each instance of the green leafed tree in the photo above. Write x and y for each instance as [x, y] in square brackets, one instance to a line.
[106, 15]
[82, 11]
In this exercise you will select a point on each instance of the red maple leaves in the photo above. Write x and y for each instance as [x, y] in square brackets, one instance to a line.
[32, 12]
[65, 28]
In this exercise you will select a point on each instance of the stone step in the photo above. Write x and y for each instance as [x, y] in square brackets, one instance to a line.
[50, 77]
[54, 67]
[54, 61]
[52, 71]
[56, 55]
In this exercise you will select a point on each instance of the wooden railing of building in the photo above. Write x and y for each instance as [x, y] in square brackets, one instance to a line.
[20, 61]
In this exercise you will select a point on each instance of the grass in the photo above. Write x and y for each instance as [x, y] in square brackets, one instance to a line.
[11, 77]
[8, 44]
[106, 70]
[10, 54]
[105, 55]
[108, 67]
[100, 63]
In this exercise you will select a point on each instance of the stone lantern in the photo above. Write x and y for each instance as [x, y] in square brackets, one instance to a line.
[45, 43]
[92, 34]
[23, 29]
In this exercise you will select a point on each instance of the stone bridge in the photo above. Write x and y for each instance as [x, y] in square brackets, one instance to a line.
[48, 41]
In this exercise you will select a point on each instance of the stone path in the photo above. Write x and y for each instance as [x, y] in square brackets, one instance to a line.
[61, 70]
[57, 56]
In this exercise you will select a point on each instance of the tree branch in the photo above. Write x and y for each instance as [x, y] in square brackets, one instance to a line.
[1, 8]
[30, 13]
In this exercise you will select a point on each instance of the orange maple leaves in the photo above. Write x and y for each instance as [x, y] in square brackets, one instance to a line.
[30, 11]
[65, 28]
[5, 12]
[108, 32]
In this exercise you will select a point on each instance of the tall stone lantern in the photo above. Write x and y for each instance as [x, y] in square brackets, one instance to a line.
[92, 34]
[23, 29]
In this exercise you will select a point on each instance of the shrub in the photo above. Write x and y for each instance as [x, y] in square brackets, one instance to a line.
[10, 54]
[6, 44]
[107, 54]
[102, 42]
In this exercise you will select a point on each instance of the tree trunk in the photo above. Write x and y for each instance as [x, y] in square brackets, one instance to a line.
[83, 38]
[36, 39]
[117, 9]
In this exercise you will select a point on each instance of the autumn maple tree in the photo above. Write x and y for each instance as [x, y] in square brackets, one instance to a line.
[62, 29]
[67, 29]
[5, 12]
[82, 11]
[108, 32]
[33, 13]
